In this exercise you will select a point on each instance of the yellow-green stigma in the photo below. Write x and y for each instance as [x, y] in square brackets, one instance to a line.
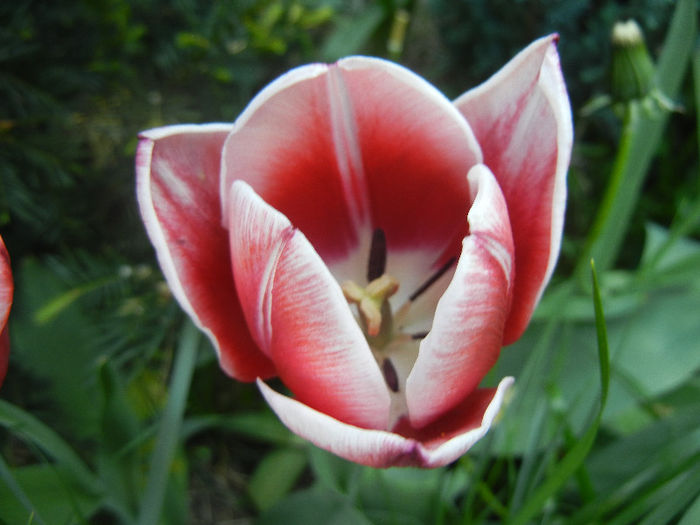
[373, 306]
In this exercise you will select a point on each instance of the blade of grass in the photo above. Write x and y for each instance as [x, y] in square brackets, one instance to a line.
[169, 432]
[692, 515]
[30, 428]
[686, 487]
[574, 458]
[531, 457]
[11, 483]
[696, 84]
[664, 491]
[661, 465]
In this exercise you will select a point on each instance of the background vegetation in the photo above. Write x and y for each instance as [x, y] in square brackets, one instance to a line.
[114, 410]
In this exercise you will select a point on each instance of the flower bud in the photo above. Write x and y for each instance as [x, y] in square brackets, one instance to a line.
[632, 68]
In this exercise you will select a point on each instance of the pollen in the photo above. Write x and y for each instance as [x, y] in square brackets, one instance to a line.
[372, 302]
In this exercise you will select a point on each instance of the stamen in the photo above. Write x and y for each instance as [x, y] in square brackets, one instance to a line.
[427, 284]
[377, 255]
[372, 303]
[390, 375]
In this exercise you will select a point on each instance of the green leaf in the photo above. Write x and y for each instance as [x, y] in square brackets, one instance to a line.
[260, 426]
[332, 471]
[15, 497]
[352, 33]
[631, 468]
[118, 462]
[55, 495]
[573, 459]
[275, 476]
[316, 505]
[169, 431]
[68, 376]
[400, 495]
[29, 428]
[692, 515]
[640, 141]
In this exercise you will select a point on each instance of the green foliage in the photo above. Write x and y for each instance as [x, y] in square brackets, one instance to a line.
[112, 413]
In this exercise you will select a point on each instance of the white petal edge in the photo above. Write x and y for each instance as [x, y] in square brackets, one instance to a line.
[420, 84]
[551, 83]
[144, 197]
[288, 79]
[303, 321]
[457, 352]
[310, 71]
[376, 448]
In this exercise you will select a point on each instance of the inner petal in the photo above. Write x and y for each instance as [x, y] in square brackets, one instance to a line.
[344, 149]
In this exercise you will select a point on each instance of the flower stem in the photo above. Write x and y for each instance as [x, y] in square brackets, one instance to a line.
[604, 240]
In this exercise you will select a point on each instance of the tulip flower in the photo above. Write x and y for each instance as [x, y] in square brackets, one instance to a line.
[369, 242]
[6, 288]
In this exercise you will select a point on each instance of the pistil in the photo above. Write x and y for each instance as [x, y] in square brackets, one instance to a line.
[373, 304]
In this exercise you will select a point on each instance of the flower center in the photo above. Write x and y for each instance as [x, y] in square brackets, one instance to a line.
[373, 305]
[394, 350]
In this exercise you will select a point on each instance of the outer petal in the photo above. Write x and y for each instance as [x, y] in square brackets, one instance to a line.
[465, 339]
[300, 317]
[522, 119]
[363, 143]
[177, 170]
[434, 447]
[6, 291]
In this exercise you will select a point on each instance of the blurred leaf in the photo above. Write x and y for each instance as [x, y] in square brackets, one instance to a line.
[332, 471]
[660, 446]
[37, 433]
[400, 495]
[275, 476]
[315, 505]
[118, 461]
[568, 465]
[352, 32]
[668, 258]
[69, 388]
[261, 426]
[191, 40]
[654, 340]
[168, 436]
[673, 498]
[692, 515]
[20, 497]
[54, 494]
[639, 144]
[58, 304]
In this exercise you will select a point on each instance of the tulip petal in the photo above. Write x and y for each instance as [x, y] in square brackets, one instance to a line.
[522, 119]
[177, 171]
[415, 148]
[6, 292]
[363, 143]
[457, 431]
[465, 339]
[432, 447]
[300, 317]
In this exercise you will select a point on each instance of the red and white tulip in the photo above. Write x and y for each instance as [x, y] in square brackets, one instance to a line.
[369, 242]
[6, 289]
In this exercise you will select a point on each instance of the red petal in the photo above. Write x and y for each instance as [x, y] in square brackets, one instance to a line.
[435, 446]
[300, 317]
[364, 143]
[465, 339]
[177, 171]
[6, 292]
[457, 431]
[416, 151]
[522, 119]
